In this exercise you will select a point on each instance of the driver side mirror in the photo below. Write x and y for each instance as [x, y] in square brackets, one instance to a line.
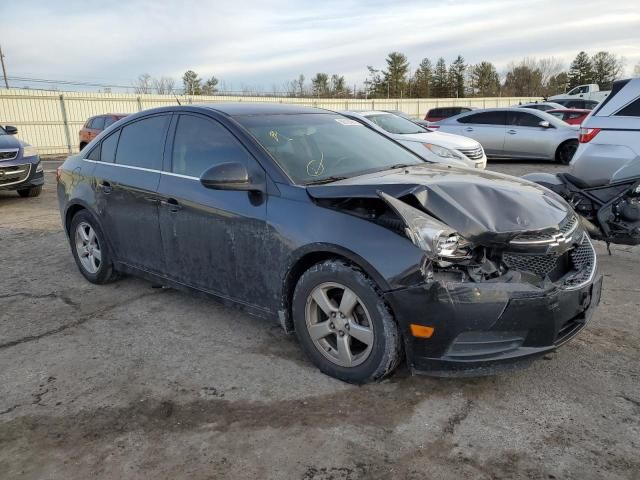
[544, 124]
[229, 176]
[11, 130]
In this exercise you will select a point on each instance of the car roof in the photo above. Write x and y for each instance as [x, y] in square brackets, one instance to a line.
[245, 108]
[573, 110]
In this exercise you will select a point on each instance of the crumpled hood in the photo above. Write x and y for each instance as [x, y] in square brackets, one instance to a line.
[482, 206]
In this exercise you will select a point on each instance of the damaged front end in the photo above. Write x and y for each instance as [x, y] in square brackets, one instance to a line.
[493, 299]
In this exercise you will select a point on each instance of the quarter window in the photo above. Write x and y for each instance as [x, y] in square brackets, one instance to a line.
[201, 143]
[142, 143]
[485, 118]
[109, 144]
[631, 110]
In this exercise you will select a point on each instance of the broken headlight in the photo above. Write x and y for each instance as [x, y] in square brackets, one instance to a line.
[438, 240]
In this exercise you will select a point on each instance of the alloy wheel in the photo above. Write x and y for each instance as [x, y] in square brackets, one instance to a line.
[339, 324]
[88, 247]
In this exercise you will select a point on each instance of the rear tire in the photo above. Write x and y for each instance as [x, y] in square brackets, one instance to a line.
[30, 192]
[362, 346]
[90, 249]
[566, 151]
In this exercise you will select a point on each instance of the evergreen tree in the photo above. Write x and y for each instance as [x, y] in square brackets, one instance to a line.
[422, 79]
[606, 68]
[191, 82]
[581, 70]
[395, 76]
[456, 75]
[440, 80]
[485, 81]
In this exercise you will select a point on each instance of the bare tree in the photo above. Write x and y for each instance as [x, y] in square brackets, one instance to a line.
[143, 83]
[164, 85]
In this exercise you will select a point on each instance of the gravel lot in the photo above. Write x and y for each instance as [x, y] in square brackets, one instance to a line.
[131, 381]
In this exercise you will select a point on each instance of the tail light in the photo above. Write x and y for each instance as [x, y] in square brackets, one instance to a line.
[433, 127]
[58, 173]
[587, 134]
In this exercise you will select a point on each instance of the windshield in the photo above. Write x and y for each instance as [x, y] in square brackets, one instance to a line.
[315, 147]
[394, 124]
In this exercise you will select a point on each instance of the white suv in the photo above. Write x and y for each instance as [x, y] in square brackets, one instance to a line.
[610, 135]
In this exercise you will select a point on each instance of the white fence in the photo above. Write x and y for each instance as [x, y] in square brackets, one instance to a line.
[51, 120]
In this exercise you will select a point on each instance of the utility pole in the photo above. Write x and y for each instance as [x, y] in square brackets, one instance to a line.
[4, 70]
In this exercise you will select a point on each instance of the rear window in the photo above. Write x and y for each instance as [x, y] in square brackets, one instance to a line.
[631, 110]
[485, 118]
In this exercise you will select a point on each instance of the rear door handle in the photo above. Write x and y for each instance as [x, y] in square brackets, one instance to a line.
[105, 187]
[172, 204]
[468, 129]
[512, 132]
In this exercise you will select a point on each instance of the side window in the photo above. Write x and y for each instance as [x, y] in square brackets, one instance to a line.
[522, 119]
[109, 144]
[200, 143]
[142, 143]
[485, 118]
[97, 123]
[631, 110]
[108, 121]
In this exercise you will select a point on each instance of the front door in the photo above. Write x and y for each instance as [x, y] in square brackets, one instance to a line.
[127, 175]
[213, 239]
[525, 138]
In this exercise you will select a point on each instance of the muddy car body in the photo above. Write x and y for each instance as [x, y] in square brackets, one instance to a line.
[452, 269]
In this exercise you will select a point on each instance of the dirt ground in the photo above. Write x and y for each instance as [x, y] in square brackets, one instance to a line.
[131, 381]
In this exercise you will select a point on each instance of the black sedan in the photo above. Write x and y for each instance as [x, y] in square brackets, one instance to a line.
[307, 217]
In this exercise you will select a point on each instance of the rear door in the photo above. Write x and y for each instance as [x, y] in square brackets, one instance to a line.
[525, 138]
[127, 178]
[488, 128]
[213, 239]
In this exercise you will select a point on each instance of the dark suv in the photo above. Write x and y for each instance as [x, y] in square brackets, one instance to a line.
[366, 251]
[20, 167]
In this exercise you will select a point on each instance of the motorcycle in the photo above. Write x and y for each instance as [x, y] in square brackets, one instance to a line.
[605, 194]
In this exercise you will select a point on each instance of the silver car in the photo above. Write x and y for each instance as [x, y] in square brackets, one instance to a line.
[517, 133]
[542, 106]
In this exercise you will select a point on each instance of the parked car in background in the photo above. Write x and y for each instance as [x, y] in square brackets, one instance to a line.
[422, 123]
[578, 103]
[542, 106]
[432, 146]
[95, 125]
[367, 252]
[573, 116]
[20, 167]
[610, 137]
[440, 113]
[517, 133]
[589, 91]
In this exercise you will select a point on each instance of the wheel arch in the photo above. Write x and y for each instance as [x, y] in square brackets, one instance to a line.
[562, 144]
[304, 259]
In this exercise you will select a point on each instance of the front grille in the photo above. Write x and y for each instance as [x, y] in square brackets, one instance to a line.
[567, 227]
[584, 263]
[8, 154]
[573, 268]
[14, 174]
[541, 265]
[472, 153]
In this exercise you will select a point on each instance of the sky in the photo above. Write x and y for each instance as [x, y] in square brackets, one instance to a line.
[265, 44]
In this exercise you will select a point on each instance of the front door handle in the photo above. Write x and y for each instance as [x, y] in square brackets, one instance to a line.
[512, 132]
[105, 187]
[172, 204]
[468, 129]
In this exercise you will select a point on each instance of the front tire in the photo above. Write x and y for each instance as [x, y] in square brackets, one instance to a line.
[566, 151]
[90, 249]
[344, 325]
[30, 192]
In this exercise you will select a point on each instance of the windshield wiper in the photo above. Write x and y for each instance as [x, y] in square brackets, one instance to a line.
[320, 181]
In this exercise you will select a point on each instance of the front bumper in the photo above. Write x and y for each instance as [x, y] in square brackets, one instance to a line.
[20, 174]
[482, 328]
